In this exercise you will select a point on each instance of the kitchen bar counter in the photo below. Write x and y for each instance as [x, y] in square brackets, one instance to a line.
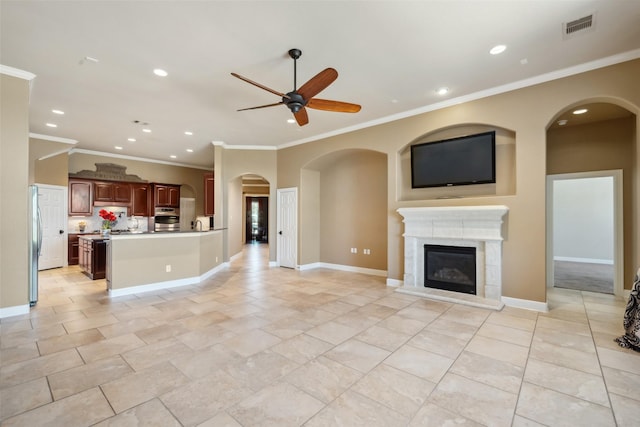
[141, 262]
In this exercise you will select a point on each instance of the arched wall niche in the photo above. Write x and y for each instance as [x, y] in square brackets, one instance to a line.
[505, 165]
[343, 205]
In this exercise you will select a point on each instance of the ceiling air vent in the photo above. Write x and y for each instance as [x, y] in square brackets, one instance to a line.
[578, 26]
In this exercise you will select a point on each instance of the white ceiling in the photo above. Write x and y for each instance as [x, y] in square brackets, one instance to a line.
[391, 57]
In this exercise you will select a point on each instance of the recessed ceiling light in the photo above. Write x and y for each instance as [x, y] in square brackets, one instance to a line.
[60, 112]
[189, 150]
[160, 72]
[291, 121]
[498, 49]
[443, 91]
[562, 122]
[580, 111]
[146, 130]
[52, 125]
[173, 156]
[117, 147]
[131, 139]
[188, 132]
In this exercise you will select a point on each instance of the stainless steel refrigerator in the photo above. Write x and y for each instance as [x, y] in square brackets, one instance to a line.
[35, 244]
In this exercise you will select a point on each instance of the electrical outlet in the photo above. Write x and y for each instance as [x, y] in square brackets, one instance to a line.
[167, 268]
[366, 251]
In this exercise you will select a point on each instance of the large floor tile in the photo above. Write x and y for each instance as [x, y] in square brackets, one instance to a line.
[83, 409]
[357, 355]
[151, 413]
[549, 407]
[396, 389]
[354, 409]
[132, 390]
[424, 364]
[279, 405]
[479, 402]
[324, 378]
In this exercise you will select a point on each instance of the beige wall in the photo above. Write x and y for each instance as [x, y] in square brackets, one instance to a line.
[605, 145]
[191, 179]
[353, 201]
[48, 162]
[526, 113]
[231, 165]
[14, 182]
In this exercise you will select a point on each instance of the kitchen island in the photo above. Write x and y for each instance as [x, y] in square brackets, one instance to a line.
[143, 262]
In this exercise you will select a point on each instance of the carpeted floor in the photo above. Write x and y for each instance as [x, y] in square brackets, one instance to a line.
[584, 276]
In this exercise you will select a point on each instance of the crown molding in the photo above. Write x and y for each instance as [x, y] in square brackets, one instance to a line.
[139, 159]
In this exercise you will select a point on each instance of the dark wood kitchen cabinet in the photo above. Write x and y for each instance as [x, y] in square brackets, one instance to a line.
[208, 194]
[112, 192]
[73, 244]
[93, 257]
[140, 199]
[166, 195]
[80, 197]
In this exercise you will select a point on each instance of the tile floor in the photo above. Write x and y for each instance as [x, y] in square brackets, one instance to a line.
[255, 345]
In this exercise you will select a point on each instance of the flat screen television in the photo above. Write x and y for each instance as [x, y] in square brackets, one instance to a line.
[458, 161]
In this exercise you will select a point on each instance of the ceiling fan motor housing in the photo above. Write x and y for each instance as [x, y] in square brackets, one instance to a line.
[294, 101]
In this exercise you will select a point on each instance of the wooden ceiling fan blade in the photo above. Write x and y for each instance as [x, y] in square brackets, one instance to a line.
[261, 106]
[301, 116]
[337, 106]
[268, 89]
[318, 83]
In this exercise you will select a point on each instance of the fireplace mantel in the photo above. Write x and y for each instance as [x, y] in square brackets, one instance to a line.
[470, 226]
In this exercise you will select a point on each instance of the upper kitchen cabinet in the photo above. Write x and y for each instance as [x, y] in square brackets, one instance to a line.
[166, 195]
[140, 199]
[80, 197]
[107, 193]
[208, 194]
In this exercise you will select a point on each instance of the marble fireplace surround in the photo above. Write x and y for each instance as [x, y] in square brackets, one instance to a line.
[468, 226]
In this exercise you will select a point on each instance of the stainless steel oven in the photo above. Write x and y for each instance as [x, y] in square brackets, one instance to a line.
[166, 219]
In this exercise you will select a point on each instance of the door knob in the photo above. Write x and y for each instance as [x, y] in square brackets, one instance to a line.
[280, 233]
[61, 231]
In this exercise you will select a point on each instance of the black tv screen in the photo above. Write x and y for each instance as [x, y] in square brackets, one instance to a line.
[458, 161]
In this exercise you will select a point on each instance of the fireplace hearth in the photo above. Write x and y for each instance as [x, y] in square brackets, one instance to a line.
[452, 268]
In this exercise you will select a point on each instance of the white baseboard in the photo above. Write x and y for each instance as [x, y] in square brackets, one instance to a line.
[395, 283]
[16, 310]
[165, 285]
[526, 304]
[273, 263]
[349, 268]
[584, 260]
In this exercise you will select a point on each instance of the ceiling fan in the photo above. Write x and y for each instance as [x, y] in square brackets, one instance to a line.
[298, 99]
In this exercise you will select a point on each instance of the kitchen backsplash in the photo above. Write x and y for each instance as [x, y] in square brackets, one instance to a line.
[94, 223]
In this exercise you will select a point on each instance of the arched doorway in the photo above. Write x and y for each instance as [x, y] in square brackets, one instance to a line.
[589, 162]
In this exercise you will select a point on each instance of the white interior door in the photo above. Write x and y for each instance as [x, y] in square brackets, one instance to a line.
[287, 223]
[52, 201]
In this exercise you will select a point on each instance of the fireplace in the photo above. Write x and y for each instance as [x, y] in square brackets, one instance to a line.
[476, 228]
[452, 268]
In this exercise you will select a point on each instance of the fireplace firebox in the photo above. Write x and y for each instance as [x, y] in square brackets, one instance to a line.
[452, 268]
